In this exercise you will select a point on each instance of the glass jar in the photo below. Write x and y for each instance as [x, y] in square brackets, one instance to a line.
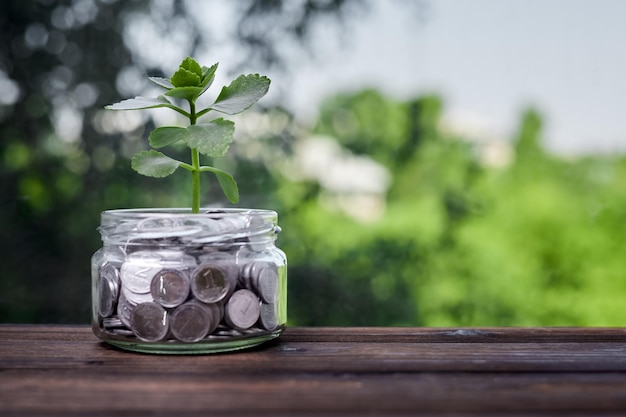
[169, 281]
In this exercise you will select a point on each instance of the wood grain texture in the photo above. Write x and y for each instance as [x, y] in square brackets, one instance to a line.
[65, 370]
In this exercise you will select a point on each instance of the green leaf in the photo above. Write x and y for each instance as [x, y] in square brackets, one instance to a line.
[185, 78]
[187, 93]
[191, 65]
[227, 182]
[164, 136]
[229, 186]
[154, 164]
[241, 94]
[138, 103]
[208, 75]
[161, 82]
[212, 139]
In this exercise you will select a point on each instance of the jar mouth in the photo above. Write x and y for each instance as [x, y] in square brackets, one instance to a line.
[142, 213]
[162, 225]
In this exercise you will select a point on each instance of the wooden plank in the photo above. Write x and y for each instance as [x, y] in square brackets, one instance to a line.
[291, 353]
[456, 335]
[177, 393]
[372, 334]
[64, 370]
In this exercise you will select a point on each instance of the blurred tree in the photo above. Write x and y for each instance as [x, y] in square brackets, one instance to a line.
[528, 140]
[265, 23]
[64, 159]
[536, 242]
[53, 187]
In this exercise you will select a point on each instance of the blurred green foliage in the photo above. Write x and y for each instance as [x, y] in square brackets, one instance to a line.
[534, 240]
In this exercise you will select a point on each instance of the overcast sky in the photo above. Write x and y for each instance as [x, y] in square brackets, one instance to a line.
[489, 59]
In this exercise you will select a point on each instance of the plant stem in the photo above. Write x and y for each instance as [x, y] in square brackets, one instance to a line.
[195, 181]
[195, 163]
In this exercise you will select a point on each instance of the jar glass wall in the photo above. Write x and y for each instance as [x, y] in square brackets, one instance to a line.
[169, 281]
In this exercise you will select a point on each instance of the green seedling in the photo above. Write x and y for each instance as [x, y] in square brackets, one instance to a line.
[211, 138]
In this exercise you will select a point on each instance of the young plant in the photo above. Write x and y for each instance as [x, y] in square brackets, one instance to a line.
[211, 138]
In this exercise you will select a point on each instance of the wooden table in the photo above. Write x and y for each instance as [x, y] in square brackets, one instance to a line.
[65, 370]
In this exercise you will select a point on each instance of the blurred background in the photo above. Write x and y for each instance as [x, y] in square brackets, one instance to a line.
[433, 163]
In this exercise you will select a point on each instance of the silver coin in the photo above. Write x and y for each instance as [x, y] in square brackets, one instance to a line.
[262, 278]
[245, 255]
[230, 224]
[210, 283]
[192, 321]
[268, 319]
[124, 309]
[163, 227]
[115, 255]
[247, 275]
[170, 287]
[176, 259]
[219, 337]
[112, 323]
[108, 289]
[254, 220]
[227, 332]
[232, 274]
[217, 255]
[267, 283]
[144, 257]
[137, 272]
[242, 309]
[216, 230]
[141, 267]
[217, 311]
[152, 223]
[252, 330]
[149, 322]
[259, 230]
[135, 298]
[227, 262]
[244, 274]
[220, 310]
[206, 226]
[120, 332]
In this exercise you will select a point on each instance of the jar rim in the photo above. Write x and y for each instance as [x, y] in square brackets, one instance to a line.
[165, 226]
[141, 213]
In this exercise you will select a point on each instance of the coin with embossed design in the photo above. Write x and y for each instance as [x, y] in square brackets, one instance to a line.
[192, 321]
[170, 287]
[242, 309]
[149, 321]
[210, 283]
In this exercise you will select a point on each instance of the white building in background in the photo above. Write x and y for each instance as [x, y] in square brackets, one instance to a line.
[353, 184]
[492, 149]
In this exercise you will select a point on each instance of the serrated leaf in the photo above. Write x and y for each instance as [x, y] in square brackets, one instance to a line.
[228, 184]
[192, 65]
[139, 103]
[242, 93]
[161, 82]
[187, 93]
[185, 78]
[212, 139]
[154, 164]
[164, 136]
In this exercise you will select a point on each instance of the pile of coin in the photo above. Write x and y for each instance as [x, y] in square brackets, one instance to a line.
[159, 295]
